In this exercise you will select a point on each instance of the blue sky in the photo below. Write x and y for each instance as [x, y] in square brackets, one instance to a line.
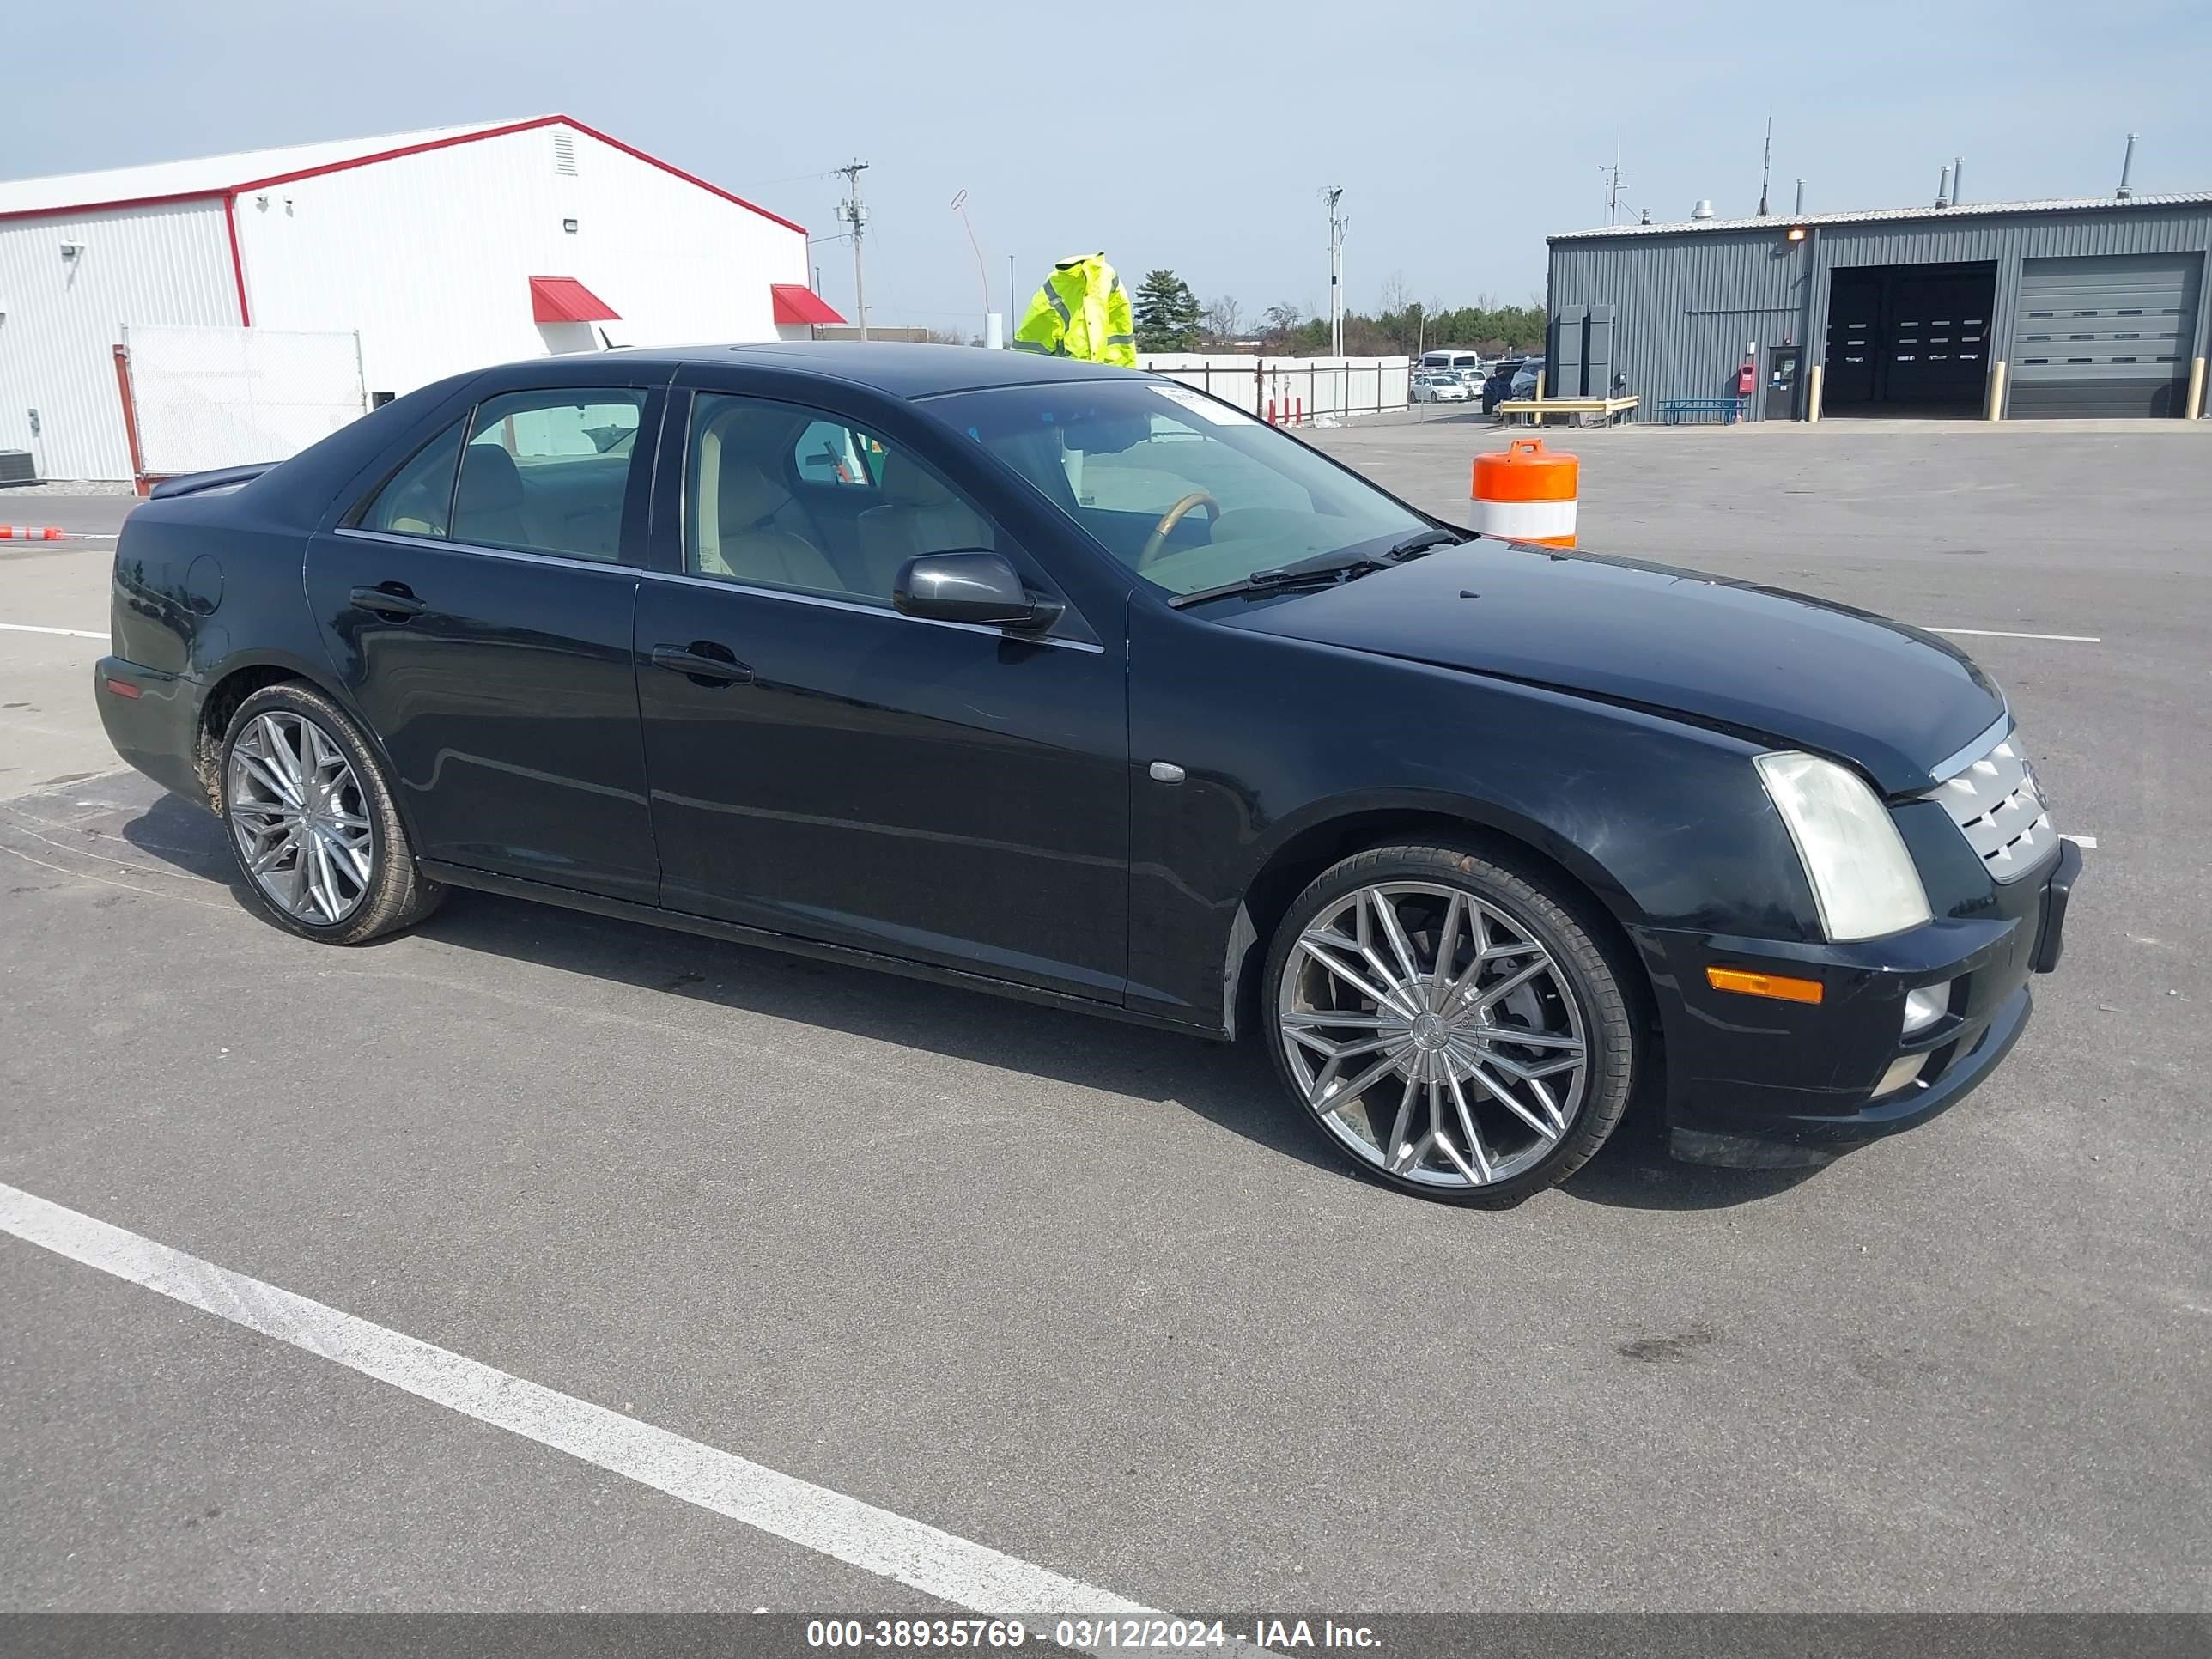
[1195, 136]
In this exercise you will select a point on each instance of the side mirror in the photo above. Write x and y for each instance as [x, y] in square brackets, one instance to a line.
[970, 587]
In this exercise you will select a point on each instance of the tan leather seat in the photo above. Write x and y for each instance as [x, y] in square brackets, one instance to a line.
[919, 515]
[493, 507]
[747, 546]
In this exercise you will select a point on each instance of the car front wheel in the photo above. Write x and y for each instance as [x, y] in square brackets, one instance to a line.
[312, 824]
[1451, 1023]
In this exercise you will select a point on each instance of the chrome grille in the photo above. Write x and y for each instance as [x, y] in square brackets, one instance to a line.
[1999, 810]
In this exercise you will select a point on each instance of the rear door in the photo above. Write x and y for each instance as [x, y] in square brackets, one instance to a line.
[476, 608]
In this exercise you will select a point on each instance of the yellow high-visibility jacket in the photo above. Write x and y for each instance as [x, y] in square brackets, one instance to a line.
[1082, 311]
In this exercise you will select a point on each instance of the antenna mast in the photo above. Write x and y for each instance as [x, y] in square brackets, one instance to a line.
[1613, 177]
[1766, 164]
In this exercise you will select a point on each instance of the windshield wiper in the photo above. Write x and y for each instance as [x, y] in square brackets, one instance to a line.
[1326, 568]
[1422, 540]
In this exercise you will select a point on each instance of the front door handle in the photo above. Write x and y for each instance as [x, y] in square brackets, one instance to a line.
[704, 663]
[392, 599]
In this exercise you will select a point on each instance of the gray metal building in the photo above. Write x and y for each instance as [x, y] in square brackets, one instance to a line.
[2001, 309]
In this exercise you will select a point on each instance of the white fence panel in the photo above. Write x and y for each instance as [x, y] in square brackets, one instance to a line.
[1291, 390]
[205, 397]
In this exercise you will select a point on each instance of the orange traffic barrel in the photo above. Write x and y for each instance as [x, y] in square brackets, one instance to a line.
[1526, 493]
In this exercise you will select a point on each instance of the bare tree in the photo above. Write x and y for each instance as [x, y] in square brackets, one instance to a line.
[1281, 317]
[1222, 318]
[1396, 296]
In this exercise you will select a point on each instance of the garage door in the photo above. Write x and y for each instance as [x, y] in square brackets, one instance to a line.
[2106, 335]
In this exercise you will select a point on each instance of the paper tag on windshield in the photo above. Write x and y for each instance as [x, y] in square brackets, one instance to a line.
[1204, 407]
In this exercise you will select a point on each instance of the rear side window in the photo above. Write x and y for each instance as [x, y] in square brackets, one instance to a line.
[545, 472]
[420, 495]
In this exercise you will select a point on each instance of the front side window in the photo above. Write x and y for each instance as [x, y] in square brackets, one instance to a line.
[546, 471]
[830, 454]
[776, 496]
[1189, 493]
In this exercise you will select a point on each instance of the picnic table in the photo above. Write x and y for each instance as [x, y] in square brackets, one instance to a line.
[1675, 411]
[1605, 409]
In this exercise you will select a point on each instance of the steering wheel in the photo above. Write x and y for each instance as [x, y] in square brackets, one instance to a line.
[1157, 543]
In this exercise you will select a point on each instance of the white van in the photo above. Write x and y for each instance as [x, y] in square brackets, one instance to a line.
[1468, 365]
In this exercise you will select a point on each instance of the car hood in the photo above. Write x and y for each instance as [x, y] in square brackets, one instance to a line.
[1762, 661]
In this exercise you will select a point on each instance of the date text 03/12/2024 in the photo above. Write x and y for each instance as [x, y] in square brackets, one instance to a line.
[1091, 1634]
[1281, 1635]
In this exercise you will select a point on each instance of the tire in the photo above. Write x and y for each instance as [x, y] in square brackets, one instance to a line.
[1457, 1085]
[338, 869]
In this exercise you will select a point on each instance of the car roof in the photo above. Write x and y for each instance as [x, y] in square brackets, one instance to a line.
[896, 367]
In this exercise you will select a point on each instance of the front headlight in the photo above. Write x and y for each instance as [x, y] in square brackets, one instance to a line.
[1863, 880]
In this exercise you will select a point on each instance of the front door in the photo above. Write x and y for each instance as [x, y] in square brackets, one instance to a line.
[478, 610]
[823, 766]
[1781, 400]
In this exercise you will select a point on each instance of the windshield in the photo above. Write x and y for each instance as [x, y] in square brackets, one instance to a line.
[1189, 493]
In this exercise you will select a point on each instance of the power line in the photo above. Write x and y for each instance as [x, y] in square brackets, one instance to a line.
[757, 185]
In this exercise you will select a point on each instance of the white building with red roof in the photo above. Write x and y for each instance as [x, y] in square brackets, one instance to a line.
[441, 251]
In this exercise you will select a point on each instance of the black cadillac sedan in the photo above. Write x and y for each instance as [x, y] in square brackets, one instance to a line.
[1077, 686]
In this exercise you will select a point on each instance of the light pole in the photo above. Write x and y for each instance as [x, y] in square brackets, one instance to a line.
[1333, 194]
[960, 207]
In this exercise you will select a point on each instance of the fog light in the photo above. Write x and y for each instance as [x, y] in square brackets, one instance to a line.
[1902, 1071]
[1924, 1007]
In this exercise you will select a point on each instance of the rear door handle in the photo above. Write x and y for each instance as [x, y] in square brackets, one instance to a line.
[703, 662]
[392, 599]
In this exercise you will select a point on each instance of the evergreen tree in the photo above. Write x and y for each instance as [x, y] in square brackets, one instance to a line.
[1167, 313]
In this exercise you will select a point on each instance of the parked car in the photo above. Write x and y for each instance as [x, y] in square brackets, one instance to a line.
[1497, 385]
[1437, 387]
[1076, 684]
[1468, 365]
[1524, 377]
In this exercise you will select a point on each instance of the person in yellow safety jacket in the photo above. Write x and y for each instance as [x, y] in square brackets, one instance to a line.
[1082, 311]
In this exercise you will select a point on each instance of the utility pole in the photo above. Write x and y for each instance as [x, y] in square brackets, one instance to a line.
[853, 213]
[1766, 164]
[1334, 194]
[1613, 177]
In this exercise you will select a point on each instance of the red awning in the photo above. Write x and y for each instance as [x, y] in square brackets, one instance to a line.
[795, 302]
[565, 300]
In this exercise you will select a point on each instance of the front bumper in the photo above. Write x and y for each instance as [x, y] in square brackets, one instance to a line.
[1742, 1068]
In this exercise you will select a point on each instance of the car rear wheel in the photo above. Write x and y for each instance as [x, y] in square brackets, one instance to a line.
[312, 824]
[1451, 1024]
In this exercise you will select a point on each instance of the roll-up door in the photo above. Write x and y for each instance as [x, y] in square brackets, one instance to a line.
[2104, 335]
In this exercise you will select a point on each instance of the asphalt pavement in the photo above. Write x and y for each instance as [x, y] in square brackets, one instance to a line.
[1092, 1297]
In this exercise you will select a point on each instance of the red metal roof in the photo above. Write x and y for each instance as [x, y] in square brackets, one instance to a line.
[565, 300]
[795, 302]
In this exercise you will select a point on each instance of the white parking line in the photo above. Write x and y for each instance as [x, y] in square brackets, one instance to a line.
[2000, 634]
[936, 1563]
[2089, 842]
[72, 632]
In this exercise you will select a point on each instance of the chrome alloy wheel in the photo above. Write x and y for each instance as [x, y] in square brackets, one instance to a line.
[1433, 1034]
[301, 824]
